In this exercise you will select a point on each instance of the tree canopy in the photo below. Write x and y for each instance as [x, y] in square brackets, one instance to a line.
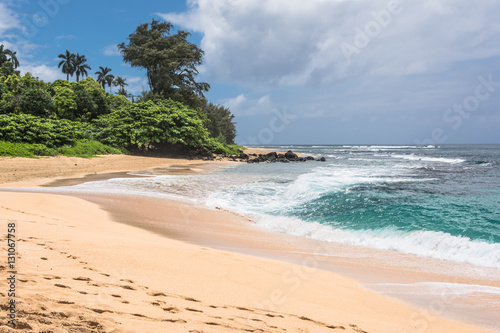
[170, 61]
[7, 55]
[67, 63]
[104, 77]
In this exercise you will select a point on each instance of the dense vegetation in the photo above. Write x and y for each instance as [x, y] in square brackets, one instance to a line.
[82, 119]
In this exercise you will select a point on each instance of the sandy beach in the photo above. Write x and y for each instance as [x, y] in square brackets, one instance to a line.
[118, 264]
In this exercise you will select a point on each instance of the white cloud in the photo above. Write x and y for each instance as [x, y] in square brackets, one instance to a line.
[111, 50]
[44, 72]
[136, 84]
[8, 19]
[241, 105]
[236, 102]
[285, 42]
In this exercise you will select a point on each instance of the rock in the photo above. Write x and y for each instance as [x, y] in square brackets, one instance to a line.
[322, 159]
[290, 155]
[272, 155]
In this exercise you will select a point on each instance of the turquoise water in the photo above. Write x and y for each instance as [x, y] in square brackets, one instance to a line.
[441, 202]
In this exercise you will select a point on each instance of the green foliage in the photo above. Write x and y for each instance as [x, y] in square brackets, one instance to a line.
[90, 99]
[36, 101]
[116, 102]
[13, 83]
[25, 149]
[104, 77]
[217, 147]
[87, 148]
[40, 118]
[82, 148]
[219, 122]
[64, 102]
[32, 129]
[7, 68]
[148, 125]
[80, 66]
[169, 59]
[8, 56]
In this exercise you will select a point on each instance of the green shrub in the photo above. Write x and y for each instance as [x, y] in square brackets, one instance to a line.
[30, 129]
[25, 150]
[220, 148]
[151, 124]
[87, 148]
[36, 101]
[82, 148]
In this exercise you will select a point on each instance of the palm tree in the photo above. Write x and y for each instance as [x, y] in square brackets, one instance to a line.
[104, 78]
[80, 66]
[120, 82]
[67, 63]
[7, 55]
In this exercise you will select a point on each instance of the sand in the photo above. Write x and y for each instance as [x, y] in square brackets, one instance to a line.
[80, 270]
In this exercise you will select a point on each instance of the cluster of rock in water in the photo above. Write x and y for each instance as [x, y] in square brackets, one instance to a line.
[274, 157]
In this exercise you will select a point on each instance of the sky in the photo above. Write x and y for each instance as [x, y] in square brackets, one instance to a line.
[421, 72]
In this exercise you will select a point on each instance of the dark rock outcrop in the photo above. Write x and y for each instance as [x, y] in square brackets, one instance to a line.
[274, 157]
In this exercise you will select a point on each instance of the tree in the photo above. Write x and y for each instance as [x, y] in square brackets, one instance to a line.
[169, 59]
[219, 122]
[152, 125]
[36, 101]
[67, 63]
[90, 99]
[7, 55]
[120, 82]
[80, 66]
[104, 78]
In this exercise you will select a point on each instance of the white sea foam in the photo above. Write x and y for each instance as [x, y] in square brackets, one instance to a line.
[412, 157]
[432, 244]
[434, 288]
[376, 148]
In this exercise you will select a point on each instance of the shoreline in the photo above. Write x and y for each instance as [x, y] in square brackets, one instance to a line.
[266, 248]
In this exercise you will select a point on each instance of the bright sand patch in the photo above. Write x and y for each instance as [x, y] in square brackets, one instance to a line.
[80, 271]
[28, 172]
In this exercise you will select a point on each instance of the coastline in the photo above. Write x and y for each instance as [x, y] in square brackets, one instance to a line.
[249, 282]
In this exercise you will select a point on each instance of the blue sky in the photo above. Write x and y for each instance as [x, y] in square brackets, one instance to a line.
[316, 72]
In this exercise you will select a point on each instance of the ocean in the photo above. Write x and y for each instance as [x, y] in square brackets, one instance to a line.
[433, 201]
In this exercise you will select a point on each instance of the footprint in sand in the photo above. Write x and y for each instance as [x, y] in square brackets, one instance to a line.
[61, 286]
[128, 287]
[82, 279]
[191, 299]
[193, 310]
[180, 321]
[65, 302]
[171, 309]
[101, 311]
[138, 315]
[156, 293]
